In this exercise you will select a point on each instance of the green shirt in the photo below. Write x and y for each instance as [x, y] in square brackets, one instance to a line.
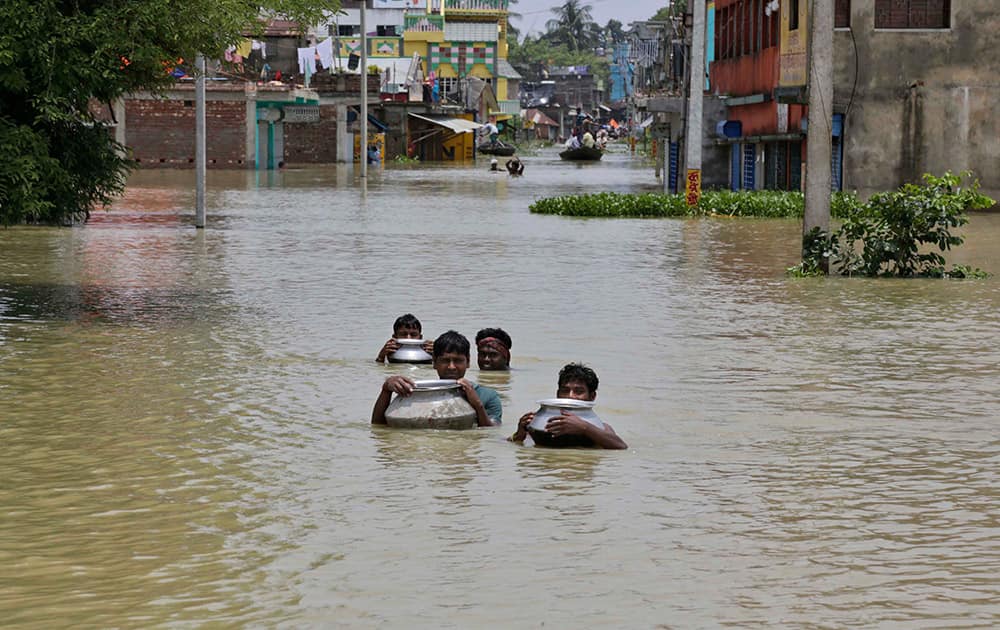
[491, 401]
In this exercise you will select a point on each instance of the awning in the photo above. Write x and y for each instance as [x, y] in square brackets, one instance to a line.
[456, 125]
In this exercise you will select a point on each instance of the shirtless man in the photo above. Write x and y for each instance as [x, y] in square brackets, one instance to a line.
[578, 382]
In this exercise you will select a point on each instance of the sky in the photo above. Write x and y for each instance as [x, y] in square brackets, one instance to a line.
[535, 13]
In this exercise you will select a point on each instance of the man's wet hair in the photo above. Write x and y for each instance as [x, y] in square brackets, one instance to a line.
[579, 372]
[451, 341]
[499, 333]
[406, 320]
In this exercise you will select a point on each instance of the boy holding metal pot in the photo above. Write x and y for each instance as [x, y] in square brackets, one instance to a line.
[405, 327]
[451, 360]
[576, 382]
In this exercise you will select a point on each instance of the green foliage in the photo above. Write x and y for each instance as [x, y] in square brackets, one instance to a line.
[817, 248]
[404, 159]
[760, 203]
[573, 26]
[902, 233]
[60, 59]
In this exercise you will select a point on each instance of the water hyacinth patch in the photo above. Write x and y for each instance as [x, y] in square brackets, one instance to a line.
[761, 203]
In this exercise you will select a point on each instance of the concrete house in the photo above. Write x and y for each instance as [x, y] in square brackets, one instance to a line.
[919, 83]
[915, 87]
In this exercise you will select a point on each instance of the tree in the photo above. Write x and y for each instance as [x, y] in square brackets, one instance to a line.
[573, 26]
[612, 34]
[513, 33]
[59, 57]
[676, 8]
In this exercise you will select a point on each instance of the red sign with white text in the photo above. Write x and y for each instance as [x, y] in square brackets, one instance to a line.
[692, 189]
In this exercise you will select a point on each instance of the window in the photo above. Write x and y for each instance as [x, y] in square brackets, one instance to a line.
[348, 30]
[793, 15]
[447, 85]
[842, 14]
[386, 30]
[912, 13]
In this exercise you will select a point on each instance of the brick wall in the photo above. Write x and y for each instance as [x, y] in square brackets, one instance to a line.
[313, 143]
[161, 133]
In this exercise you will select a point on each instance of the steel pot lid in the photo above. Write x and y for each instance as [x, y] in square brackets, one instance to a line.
[436, 384]
[567, 403]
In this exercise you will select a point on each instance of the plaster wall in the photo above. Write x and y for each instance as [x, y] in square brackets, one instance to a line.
[919, 100]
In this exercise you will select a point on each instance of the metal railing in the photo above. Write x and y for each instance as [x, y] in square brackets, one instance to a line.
[476, 5]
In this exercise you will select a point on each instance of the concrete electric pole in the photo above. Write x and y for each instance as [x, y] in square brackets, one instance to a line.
[820, 132]
[199, 141]
[693, 133]
[364, 93]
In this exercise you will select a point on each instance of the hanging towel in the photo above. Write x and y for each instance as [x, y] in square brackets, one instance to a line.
[243, 48]
[325, 50]
[261, 46]
[307, 60]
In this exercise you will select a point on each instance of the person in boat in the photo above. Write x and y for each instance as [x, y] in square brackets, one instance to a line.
[489, 134]
[405, 327]
[515, 166]
[602, 137]
[573, 142]
[451, 360]
[493, 349]
[588, 140]
[579, 382]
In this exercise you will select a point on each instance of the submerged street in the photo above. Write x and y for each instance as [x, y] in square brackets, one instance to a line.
[186, 431]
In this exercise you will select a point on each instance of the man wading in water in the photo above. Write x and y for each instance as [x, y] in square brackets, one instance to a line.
[451, 360]
[493, 349]
[578, 382]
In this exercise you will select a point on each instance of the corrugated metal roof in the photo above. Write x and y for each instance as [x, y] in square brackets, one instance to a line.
[458, 125]
[507, 71]
[470, 31]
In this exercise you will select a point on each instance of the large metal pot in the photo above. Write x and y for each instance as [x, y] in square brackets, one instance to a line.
[410, 351]
[432, 405]
[552, 407]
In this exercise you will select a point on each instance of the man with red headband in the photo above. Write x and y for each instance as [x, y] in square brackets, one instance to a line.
[493, 349]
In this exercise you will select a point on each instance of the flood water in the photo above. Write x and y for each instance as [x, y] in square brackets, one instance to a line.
[185, 436]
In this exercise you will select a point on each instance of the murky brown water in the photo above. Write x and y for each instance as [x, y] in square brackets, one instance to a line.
[185, 439]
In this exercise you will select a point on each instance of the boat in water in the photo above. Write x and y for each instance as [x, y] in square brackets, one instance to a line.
[584, 154]
[497, 149]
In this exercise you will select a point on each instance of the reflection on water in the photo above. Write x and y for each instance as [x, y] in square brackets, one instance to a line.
[186, 428]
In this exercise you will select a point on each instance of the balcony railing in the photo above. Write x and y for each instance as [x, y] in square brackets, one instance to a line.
[476, 6]
[423, 23]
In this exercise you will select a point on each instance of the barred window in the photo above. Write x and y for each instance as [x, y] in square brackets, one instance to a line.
[912, 13]
[842, 14]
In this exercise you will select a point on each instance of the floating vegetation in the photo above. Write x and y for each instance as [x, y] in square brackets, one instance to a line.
[761, 203]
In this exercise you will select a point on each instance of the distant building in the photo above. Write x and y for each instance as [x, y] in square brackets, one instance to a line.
[915, 91]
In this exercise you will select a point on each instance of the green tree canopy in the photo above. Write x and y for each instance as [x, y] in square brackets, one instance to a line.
[59, 56]
[573, 26]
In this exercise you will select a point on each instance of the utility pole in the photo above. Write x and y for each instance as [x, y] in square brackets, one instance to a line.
[199, 141]
[693, 133]
[364, 93]
[820, 132]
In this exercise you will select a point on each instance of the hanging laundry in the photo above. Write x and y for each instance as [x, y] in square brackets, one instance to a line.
[325, 51]
[261, 46]
[243, 48]
[307, 60]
